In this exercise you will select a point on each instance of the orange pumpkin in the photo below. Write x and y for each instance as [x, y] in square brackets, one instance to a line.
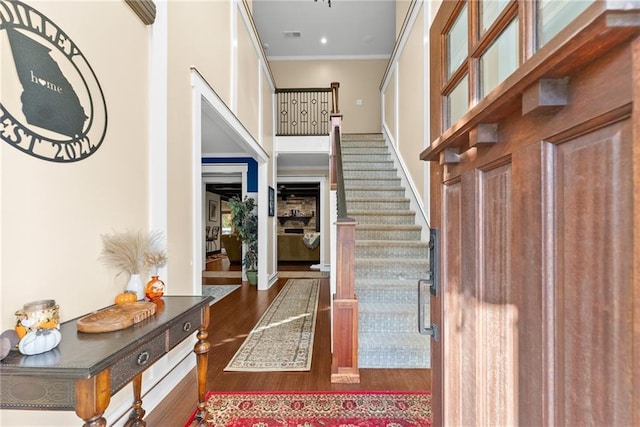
[126, 298]
[21, 331]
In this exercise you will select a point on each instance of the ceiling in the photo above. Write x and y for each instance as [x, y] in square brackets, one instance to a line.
[292, 30]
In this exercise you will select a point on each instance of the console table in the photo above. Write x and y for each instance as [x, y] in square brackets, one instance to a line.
[86, 369]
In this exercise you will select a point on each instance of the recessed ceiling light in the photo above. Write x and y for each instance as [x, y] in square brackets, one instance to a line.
[323, 40]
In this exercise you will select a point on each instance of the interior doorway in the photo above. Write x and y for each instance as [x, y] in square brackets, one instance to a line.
[302, 232]
[220, 182]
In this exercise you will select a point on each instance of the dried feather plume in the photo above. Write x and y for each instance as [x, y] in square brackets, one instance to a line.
[130, 251]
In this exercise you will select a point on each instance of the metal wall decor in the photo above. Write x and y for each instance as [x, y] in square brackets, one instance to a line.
[54, 108]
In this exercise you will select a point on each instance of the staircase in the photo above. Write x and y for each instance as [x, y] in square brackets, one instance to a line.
[390, 257]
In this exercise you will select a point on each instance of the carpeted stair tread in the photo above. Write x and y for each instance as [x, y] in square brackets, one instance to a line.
[368, 149]
[393, 227]
[369, 173]
[381, 212]
[419, 244]
[373, 290]
[390, 267]
[388, 231]
[385, 318]
[375, 191]
[368, 164]
[393, 350]
[363, 182]
[392, 249]
[367, 199]
[383, 217]
[384, 308]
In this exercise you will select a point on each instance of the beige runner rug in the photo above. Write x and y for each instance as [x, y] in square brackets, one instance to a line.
[282, 340]
[234, 274]
[302, 274]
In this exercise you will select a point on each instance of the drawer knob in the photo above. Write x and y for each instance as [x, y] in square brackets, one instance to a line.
[186, 327]
[143, 358]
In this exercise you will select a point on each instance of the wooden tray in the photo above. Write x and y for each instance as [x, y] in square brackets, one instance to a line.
[116, 317]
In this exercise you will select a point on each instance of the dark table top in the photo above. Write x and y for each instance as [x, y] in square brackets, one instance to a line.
[82, 355]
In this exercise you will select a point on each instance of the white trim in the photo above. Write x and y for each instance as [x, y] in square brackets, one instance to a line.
[415, 203]
[396, 103]
[233, 62]
[426, 142]
[158, 138]
[327, 58]
[264, 281]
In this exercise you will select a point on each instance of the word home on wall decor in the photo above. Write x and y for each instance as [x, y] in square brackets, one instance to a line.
[52, 107]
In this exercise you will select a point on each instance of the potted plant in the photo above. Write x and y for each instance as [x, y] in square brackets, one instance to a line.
[245, 223]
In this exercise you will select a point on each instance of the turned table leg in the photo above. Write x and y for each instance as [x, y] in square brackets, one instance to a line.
[201, 350]
[135, 418]
[92, 398]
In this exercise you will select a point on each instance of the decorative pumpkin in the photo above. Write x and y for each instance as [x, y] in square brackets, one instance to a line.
[37, 342]
[126, 297]
[21, 331]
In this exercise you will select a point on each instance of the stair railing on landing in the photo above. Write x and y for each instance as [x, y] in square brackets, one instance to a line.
[306, 111]
[344, 366]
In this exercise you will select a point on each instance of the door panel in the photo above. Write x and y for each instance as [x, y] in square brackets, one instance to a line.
[593, 214]
[496, 312]
[456, 329]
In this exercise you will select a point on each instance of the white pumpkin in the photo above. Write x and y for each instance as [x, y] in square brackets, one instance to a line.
[47, 358]
[37, 342]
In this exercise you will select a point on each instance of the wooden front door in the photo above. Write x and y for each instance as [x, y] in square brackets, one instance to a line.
[536, 191]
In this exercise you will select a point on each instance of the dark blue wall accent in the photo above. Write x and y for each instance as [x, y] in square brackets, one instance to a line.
[252, 169]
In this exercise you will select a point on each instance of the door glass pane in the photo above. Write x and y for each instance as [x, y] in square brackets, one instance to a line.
[457, 42]
[489, 11]
[554, 15]
[501, 59]
[458, 102]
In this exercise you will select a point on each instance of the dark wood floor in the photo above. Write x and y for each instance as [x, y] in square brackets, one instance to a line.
[231, 320]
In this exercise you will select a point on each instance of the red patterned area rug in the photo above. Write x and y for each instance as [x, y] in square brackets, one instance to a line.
[317, 409]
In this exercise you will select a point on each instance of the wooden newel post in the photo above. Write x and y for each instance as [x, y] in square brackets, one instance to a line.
[344, 367]
[334, 91]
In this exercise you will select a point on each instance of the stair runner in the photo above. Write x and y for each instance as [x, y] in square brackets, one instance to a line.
[390, 257]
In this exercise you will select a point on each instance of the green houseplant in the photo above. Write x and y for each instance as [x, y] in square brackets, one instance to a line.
[245, 223]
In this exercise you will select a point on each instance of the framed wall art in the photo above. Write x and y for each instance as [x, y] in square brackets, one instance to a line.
[213, 210]
[272, 202]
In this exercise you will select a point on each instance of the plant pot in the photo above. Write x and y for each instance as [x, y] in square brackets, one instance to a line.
[252, 277]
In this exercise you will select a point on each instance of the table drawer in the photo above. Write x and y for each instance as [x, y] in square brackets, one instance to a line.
[184, 326]
[123, 371]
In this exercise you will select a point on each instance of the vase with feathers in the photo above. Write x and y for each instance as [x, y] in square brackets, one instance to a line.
[154, 259]
[125, 251]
